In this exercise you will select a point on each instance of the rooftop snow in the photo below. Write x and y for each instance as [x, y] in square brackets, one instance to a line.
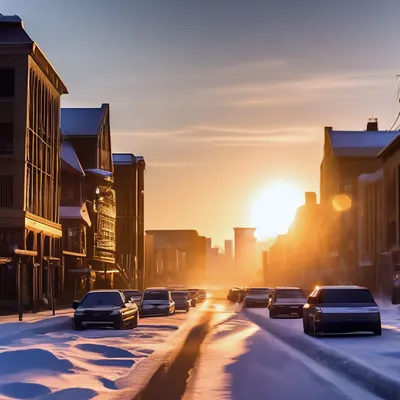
[12, 30]
[360, 143]
[68, 154]
[82, 121]
[123, 159]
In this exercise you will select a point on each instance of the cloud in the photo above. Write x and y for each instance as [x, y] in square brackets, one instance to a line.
[293, 91]
[257, 65]
[171, 164]
[217, 134]
[153, 134]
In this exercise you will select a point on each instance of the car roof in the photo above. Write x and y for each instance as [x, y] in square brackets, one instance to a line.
[179, 291]
[105, 291]
[260, 288]
[338, 287]
[157, 288]
[287, 288]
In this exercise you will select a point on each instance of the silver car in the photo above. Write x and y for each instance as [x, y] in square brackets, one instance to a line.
[157, 301]
[341, 309]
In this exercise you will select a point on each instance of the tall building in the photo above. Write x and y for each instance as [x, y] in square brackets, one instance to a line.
[246, 261]
[229, 250]
[88, 130]
[30, 91]
[128, 174]
[188, 242]
[347, 154]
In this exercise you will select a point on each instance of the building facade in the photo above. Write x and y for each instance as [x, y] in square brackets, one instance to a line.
[75, 222]
[347, 155]
[30, 91]
[129, 188]
[185, 241]
[88, 130]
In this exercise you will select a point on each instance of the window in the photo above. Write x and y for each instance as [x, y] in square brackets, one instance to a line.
[345, 296]
[7, 79]
[6, 138]
[6, 191]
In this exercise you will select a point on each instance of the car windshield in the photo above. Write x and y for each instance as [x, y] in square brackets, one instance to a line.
[156, 295]
[264, 291]
[132, 293]
[176, 295]
[351, 296]
[101, 299]
[290, 294]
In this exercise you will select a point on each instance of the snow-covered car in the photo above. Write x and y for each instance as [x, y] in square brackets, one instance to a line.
[193, 297]
[105, 308]
[257, 297]
[133, 295]
[286, 302]
[341, 309]
[157, 301]
[181, 299]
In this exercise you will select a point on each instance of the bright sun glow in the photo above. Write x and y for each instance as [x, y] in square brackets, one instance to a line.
[273, 210]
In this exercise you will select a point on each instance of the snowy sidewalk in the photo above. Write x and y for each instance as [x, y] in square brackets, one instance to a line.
[373, 361]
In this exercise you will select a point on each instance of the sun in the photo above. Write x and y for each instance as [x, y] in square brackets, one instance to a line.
[274, 209]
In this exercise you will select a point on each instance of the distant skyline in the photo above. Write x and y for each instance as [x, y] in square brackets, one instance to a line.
[221, 98]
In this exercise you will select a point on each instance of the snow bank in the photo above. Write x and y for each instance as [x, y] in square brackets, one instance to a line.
[46, 359]
[328, 356]
[129, 386]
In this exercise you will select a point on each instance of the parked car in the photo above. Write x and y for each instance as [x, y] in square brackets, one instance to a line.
[193, 297]
[286, 302]
[105, 308]
[181, 299]
[201, 294]
[257, 297]
[157, 301]
[133, 295]
[341, 309]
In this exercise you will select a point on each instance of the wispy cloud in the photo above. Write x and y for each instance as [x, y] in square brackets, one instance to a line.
[217, 134]
[171, 164]
[293, 91]
[154, 134]
[256, 65]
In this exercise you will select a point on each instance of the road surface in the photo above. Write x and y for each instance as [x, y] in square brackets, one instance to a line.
[239, 360]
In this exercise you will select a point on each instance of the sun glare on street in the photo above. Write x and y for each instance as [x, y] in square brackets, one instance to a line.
[274, 208]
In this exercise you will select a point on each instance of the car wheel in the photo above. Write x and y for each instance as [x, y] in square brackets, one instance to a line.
[119, 325]
[378, 329]
[77, 326]
[305, 326]
[135, 321]
[272, 313]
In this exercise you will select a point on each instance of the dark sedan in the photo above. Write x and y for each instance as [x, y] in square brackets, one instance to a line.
[257, 297]
[133, 295]
[107, 308]
[157, 301]
[286, 302]
[341, 309]
[181, 299]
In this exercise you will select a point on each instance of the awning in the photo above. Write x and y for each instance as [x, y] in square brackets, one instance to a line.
[81, 271]
[101, 172]
[76, 212]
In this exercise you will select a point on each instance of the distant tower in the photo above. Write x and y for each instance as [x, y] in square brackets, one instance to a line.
[229, 249]
[245, 248]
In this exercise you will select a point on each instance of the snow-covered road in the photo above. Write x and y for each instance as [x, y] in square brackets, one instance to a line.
[45, 358]
[241, 361]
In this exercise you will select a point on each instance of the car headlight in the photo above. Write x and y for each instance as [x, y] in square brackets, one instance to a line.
[78, 313]
[146, 306]
[116, 312]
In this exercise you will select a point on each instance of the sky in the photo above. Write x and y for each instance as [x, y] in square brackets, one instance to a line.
[222, 98]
